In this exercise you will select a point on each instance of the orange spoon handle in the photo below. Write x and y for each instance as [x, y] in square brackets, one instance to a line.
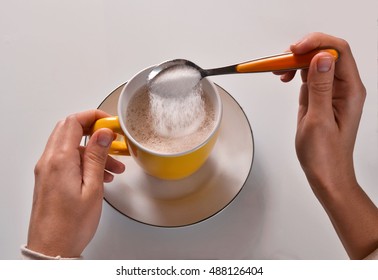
[282, 62]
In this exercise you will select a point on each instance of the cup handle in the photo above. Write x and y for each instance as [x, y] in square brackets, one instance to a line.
[117, 147]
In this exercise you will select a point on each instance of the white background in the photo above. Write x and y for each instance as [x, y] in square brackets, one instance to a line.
[61, 57]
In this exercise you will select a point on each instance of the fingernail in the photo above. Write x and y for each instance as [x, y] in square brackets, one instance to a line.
[324, 64]
[104, 139]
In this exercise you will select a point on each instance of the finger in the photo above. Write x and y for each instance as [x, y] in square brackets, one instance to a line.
[279, 73]
[304, 73]
[303, 102]
[95, 157]
[66, 135]
[114, 165]
[316, 40]
[108, 177]
[285, 76]
[55, 136]
[288, 76]
[88, 118]
[320, 85]
[346, 66]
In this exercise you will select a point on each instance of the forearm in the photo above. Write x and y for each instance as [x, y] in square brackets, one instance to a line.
[353, 215]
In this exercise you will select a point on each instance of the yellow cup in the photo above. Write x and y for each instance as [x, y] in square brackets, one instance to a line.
[161, 165]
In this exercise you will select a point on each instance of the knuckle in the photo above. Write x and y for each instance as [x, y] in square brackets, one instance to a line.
[71, 118]
[358, 94]
[51, 162]
[363, 93]
[314, 121]
[60, 124]
[344, 45]
[38, 167]
[71, 121]
[96, 157]
[320, 87]
[67, 122]
[317, 35]
[319, 125]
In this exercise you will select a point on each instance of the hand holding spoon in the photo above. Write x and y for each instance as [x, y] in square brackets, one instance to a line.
[172, 85]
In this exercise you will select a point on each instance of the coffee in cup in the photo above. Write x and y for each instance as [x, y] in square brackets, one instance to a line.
[141, 123]
[165, 157]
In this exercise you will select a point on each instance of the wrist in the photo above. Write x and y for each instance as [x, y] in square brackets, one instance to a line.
[54, 248]
[28, 254]
[325, 179]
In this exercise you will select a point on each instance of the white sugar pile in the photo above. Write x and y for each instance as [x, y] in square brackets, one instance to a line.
[177, 106]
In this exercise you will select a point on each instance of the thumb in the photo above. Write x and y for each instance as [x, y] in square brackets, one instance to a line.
[320, 84]
[95, 156]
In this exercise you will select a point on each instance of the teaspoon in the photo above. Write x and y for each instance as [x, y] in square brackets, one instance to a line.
[275, 63]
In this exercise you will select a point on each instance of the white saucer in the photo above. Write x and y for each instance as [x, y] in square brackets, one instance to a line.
[195, 198]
